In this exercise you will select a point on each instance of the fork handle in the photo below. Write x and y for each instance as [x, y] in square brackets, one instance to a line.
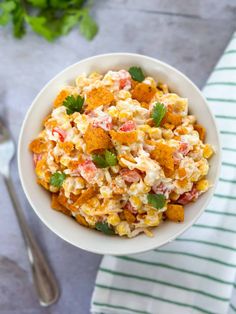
[44, 280]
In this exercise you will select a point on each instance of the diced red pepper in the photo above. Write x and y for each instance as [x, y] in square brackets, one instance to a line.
[61, 133]
[188, 197]
[104, 122]
[87, 170]
[184, 148]
[125, 79]
[130, 208]
[128, 126]
[130, 176]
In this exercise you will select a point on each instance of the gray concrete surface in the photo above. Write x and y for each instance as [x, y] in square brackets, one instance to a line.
[188, 34]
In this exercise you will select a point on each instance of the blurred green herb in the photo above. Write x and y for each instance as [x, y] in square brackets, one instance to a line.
[57, 179]
[136, 74]
[73, 104]
[158, 113]
[156, 200]
[105, 228]
[108, 159]
[48, 18]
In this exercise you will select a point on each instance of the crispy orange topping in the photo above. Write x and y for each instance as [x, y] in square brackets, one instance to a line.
[175, 212]
[124, 137]
[164, 155]
[97, 97]
[201, 131]
[60, 98]
[143, 92]
[96, 138]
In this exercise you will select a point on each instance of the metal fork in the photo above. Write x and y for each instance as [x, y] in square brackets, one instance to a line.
[44, 280]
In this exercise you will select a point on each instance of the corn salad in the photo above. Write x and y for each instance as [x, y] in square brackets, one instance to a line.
[120, 153]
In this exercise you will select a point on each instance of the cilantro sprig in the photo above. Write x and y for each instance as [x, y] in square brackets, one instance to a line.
[156, 200]
[73, 104]
[48, 18]
[136, 74]
[57, 179]
[108, 159]
[158, 113]
[105, 228]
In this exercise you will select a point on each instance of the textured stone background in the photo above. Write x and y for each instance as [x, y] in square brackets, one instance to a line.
[188, 34]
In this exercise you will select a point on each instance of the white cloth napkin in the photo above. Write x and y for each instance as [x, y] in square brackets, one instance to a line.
[196, 272]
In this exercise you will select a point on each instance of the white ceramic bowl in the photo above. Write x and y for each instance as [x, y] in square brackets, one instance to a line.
[65, 227]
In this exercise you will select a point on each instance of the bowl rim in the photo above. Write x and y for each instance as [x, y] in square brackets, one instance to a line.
[81, 245]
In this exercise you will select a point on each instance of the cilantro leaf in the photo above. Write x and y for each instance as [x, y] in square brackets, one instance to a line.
[156, 200]
[105, 228]
[99, 161]
[110, 158]
[158, 113]
[67, 22]
[73, 104]
[18, 21]
[57, 179]
[88, 27]
[38, 3]
[136, 74]
[48, 18]
[39, 25]
[5, 11]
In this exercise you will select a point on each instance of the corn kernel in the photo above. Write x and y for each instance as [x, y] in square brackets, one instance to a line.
[79, 145]
[124, 94]
[52, 188]
[202, 185]
[155, 133]
[203, 167]
[105, 191]
[86, 209]
[180, 105]
[115, 169]
[93, 202]
[152, 218]
[167, 134]
[123, 228]
[135, 202]
[176, 137]
[174, 196]
[146, 188]
[91, 220]
[80, 182]
[182, 183]
[127, 157]
[181, 130]
[125, 115]
[169, 126]
[113, 112]
[207, 151]
[113, 219]
[64, 160]
[144, 128]
[181, 172]
[195, 176]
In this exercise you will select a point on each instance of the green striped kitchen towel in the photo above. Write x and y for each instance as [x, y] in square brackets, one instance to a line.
[196, 272]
